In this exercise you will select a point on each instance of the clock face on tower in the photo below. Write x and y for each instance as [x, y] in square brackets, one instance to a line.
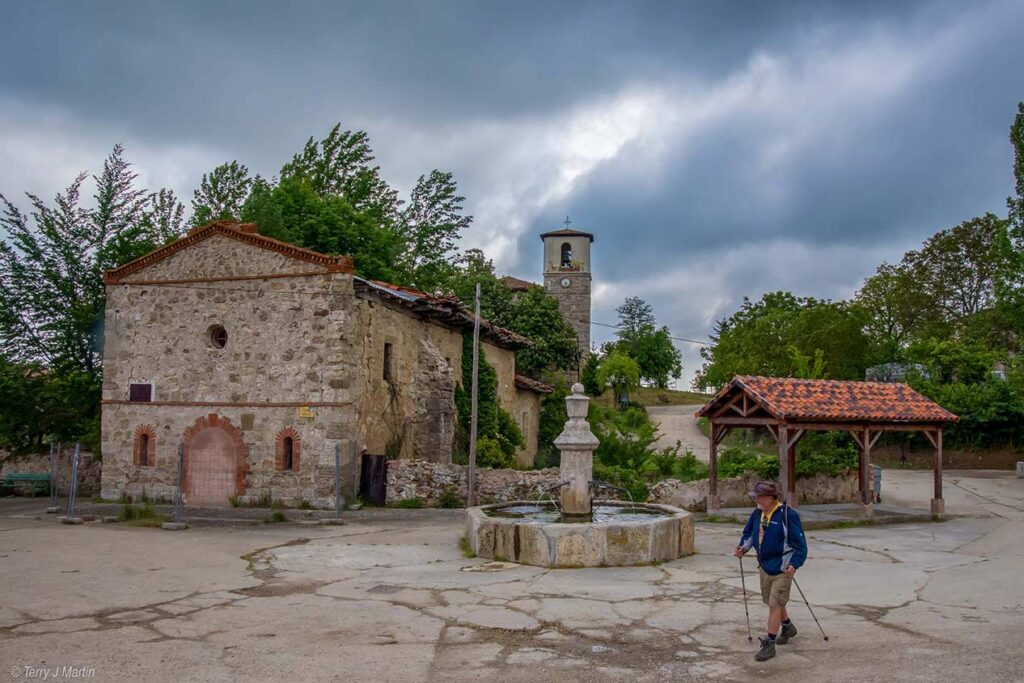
[565, 282]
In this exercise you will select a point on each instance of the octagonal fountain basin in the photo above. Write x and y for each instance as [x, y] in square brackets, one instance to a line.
[615, 534]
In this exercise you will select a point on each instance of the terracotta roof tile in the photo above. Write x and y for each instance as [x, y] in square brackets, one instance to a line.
[808, 399]
[532, 385]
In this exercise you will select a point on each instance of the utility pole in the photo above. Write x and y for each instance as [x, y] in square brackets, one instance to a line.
[471, 479]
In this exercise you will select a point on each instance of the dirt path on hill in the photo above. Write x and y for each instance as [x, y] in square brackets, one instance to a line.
[677, 423]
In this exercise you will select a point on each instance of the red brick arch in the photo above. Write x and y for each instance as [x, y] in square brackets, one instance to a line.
[144, 457]
[214, 421]
[287, 432]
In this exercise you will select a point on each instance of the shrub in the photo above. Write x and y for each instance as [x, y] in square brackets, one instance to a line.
[275, 517]
[489, 453]
[450, 498]
[736, 461]
[620, 476]
[413, 503]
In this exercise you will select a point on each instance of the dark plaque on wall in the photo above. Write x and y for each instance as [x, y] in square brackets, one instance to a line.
[140, 393]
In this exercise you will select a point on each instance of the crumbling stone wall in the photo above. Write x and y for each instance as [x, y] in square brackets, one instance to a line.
[89, 468]
[692, 495]
[428, 481]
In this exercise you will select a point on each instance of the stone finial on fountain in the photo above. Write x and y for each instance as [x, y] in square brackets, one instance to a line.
[577, 444]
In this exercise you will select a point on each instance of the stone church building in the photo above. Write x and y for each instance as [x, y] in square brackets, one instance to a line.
[264, 359]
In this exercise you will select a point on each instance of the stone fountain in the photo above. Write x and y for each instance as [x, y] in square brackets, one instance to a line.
[579, 531]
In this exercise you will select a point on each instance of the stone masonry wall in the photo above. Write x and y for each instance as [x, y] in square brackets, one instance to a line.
[89, 468]
[415, 411]
[427, 481]
[313, 482]
[692, 495]
[289, 361]
[205, 259]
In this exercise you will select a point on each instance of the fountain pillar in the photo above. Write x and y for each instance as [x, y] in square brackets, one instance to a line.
[577, 444]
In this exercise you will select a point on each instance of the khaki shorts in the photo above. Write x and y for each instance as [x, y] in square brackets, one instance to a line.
[775, 589]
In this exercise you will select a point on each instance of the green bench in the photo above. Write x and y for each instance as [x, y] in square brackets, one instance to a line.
[36, 482]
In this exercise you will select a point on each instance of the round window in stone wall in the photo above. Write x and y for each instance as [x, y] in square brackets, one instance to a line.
[218, 336]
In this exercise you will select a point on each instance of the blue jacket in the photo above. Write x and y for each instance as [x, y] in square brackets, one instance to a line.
[783, 544]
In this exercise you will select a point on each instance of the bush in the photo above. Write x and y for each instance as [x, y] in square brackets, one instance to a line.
[413, 503]
[826, 453]
[736, 461]
[669, 464]
[489, 453]
[450, 498]
[620, 476]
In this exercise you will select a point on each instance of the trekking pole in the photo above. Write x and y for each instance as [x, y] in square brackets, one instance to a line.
[743, 580]
[809, 609]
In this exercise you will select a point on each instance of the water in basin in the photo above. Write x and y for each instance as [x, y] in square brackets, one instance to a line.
[545, 513]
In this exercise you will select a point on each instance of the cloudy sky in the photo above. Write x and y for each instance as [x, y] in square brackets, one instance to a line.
[716, 150]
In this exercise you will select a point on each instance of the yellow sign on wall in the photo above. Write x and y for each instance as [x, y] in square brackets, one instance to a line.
[305, 411]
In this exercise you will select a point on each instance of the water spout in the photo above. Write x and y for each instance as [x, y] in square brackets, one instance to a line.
[606, 485]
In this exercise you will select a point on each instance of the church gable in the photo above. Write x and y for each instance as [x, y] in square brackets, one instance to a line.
[224, 250]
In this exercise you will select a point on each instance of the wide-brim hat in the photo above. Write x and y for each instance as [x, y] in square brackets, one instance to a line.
[764, 488]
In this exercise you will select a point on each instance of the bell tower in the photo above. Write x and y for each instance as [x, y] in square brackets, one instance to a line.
[567, 278]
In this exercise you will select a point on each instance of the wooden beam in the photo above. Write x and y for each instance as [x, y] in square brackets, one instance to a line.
[746, 421]
[721, 433]
[724, 408]
[791, 471]
[874, 438]
[931, 438]
[865, 463]
[938, 465]
[746, 404]
[856, 438]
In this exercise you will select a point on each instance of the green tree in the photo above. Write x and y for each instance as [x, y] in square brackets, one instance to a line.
[1010, 242]
[430, 227]
[293, 212]
[896, 307]
[588, 375]
[956, 268]
[535, 315]
[619, 372]
[221, 194]
[649, 346]
[52, 295]
[339, 166]
[760, 338]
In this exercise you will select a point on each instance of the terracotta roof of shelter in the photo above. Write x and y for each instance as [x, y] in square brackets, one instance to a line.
[831, 400]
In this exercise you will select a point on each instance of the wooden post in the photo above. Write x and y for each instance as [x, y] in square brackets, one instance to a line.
[713, 501]
[783, 440]
[938, 504]
[791, 481]
[865, 465]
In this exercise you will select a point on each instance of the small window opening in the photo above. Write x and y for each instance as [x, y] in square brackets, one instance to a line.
[218, 336]
[144, 450]
[140, 393]
[522, 423]
[566, 255]
[288, 447]
[387, 363]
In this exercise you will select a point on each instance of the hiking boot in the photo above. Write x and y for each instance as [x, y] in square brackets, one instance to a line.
[788, 631]
[767, 650]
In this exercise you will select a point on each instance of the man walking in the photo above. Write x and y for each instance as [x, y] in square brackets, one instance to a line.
[775, 533]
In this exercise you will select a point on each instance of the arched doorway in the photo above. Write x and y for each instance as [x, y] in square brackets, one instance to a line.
[215, 461]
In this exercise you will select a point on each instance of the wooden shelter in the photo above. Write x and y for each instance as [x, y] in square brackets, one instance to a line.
[789, 408]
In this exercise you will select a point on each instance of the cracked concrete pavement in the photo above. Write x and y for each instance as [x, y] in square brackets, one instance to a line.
[389, 597]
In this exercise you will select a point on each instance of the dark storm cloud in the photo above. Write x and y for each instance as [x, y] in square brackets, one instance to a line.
[717, 150]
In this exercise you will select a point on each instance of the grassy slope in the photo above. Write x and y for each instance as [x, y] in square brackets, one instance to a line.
[650, 396]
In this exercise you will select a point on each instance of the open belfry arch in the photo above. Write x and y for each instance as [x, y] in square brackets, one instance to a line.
[789, 408]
